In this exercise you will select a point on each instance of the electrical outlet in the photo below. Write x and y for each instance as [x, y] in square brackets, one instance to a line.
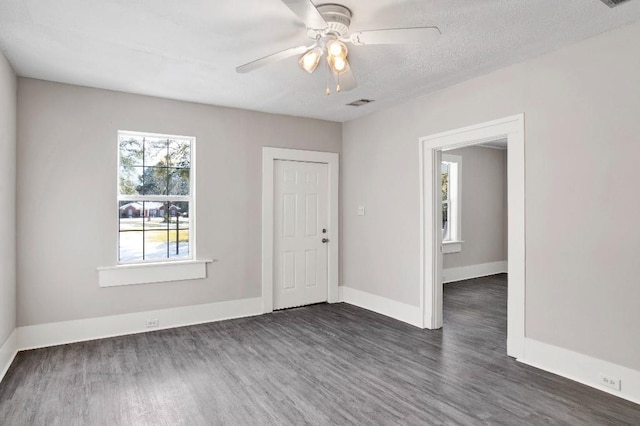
[610, 382]
[153, 323]
[360, 210]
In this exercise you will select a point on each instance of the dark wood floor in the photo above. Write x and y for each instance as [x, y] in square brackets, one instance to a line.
[322, 364]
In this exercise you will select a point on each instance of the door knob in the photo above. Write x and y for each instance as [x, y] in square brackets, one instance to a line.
[325, 240]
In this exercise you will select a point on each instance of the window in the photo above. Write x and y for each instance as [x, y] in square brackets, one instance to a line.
[155, 197]
[451, 208]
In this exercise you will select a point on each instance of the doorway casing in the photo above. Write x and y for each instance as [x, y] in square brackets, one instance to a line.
[269, 156]
[511, 129]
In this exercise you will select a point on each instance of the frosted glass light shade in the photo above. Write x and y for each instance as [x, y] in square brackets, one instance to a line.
[309, 61]
[336, 48]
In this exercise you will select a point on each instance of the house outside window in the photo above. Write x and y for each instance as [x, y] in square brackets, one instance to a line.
[155, 197]
[451, 202]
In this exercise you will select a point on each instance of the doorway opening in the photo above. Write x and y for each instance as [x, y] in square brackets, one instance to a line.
[510, 131]
[473, 217]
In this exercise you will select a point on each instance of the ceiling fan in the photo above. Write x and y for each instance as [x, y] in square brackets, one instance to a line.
[328, 27]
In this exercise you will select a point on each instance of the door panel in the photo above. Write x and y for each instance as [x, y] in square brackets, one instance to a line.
[300, 216]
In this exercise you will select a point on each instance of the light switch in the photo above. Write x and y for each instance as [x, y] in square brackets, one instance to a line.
[360, 210]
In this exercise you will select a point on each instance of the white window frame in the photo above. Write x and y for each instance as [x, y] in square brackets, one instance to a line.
[453, 244]
[157, 270]
[161, 198]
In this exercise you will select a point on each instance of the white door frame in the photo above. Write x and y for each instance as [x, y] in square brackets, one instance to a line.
[332, 159]
[511, 128]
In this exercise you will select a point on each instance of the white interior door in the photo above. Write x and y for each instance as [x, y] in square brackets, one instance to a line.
[300, 233]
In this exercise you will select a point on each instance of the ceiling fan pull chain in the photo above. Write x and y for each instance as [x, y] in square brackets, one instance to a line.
[327, 79]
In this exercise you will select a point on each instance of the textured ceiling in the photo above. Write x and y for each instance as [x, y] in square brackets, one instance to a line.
[189, 49]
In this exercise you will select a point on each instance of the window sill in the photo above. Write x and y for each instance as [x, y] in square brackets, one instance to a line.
[145, 273]
[451, 247]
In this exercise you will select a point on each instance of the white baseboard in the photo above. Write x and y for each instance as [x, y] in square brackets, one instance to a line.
[8, 352]
[381, 305]
[582, 368]
[450, 275]
[51, 334]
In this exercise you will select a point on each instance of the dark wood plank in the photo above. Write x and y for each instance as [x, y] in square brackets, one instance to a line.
[322, 364]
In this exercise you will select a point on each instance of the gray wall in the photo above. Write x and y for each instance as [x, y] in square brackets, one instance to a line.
[582, 149]
[67, 191]
[484, 208]
[8, 87]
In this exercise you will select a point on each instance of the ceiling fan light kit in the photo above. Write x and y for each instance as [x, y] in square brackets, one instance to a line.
[337, 56]
[328, 26]
[309, 61]
[337, 64]
[336, 48]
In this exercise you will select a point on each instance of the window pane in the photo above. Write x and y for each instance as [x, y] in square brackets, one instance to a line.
[445, 221]
[154, 215]
[131, 246]
[178, 243]
[154, 181]
[132, 212]
[180, 250]
[154, 166]
[153, 230]
[155, 152]
[180, 153]
[178, 181]
[130, 150]
[130, 179]
[155, 245]
[183, 210]
[179, 230]
[445, 186]
[445, 200]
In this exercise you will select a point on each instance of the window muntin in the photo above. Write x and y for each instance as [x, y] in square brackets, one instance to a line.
[155, 197]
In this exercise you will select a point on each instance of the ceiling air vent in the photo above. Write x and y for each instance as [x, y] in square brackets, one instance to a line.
[360, 102]
[614, 3]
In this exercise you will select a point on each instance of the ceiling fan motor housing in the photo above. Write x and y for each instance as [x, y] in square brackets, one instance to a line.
[338, 18]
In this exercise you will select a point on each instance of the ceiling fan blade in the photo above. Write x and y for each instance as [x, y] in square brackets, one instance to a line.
[275, 57]
[396, 36]
[307, 12]
[346, 79]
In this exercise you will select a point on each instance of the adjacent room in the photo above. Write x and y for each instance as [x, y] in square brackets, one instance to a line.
[295, 212]
[474, 210]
